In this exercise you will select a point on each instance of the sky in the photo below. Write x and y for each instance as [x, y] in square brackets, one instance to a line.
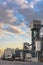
[15, 18]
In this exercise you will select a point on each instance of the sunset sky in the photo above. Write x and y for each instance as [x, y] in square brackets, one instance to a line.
[15, 18]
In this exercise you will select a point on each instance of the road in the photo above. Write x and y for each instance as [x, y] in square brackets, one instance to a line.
[19, 63]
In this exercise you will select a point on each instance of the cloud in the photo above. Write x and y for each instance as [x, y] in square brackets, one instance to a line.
[1, 25]
[11, 17]
[31, 13]
[7, 14]
[4, 34]
[6, 30]
[24, 7]
[18, 1]
[4, 3]
[33, 3]
[22, 3]
[14, 29]
[26, 4]
[7, 18]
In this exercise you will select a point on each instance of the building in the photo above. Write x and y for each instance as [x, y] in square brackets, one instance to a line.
[42, 45]
[7, 54]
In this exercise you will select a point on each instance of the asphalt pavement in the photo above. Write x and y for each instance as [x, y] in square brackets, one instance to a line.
[19, 63]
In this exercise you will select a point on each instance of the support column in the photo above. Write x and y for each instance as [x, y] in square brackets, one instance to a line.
[33, 44]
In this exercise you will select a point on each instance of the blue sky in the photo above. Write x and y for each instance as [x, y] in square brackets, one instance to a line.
[15, 18]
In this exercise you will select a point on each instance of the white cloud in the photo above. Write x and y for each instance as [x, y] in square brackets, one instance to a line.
[22, 3]
[4, 34]
[25, 8]
[14, 29]
[6, 16]
[1, 25]
[11, 28]
[11, 17]
[4, 3]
